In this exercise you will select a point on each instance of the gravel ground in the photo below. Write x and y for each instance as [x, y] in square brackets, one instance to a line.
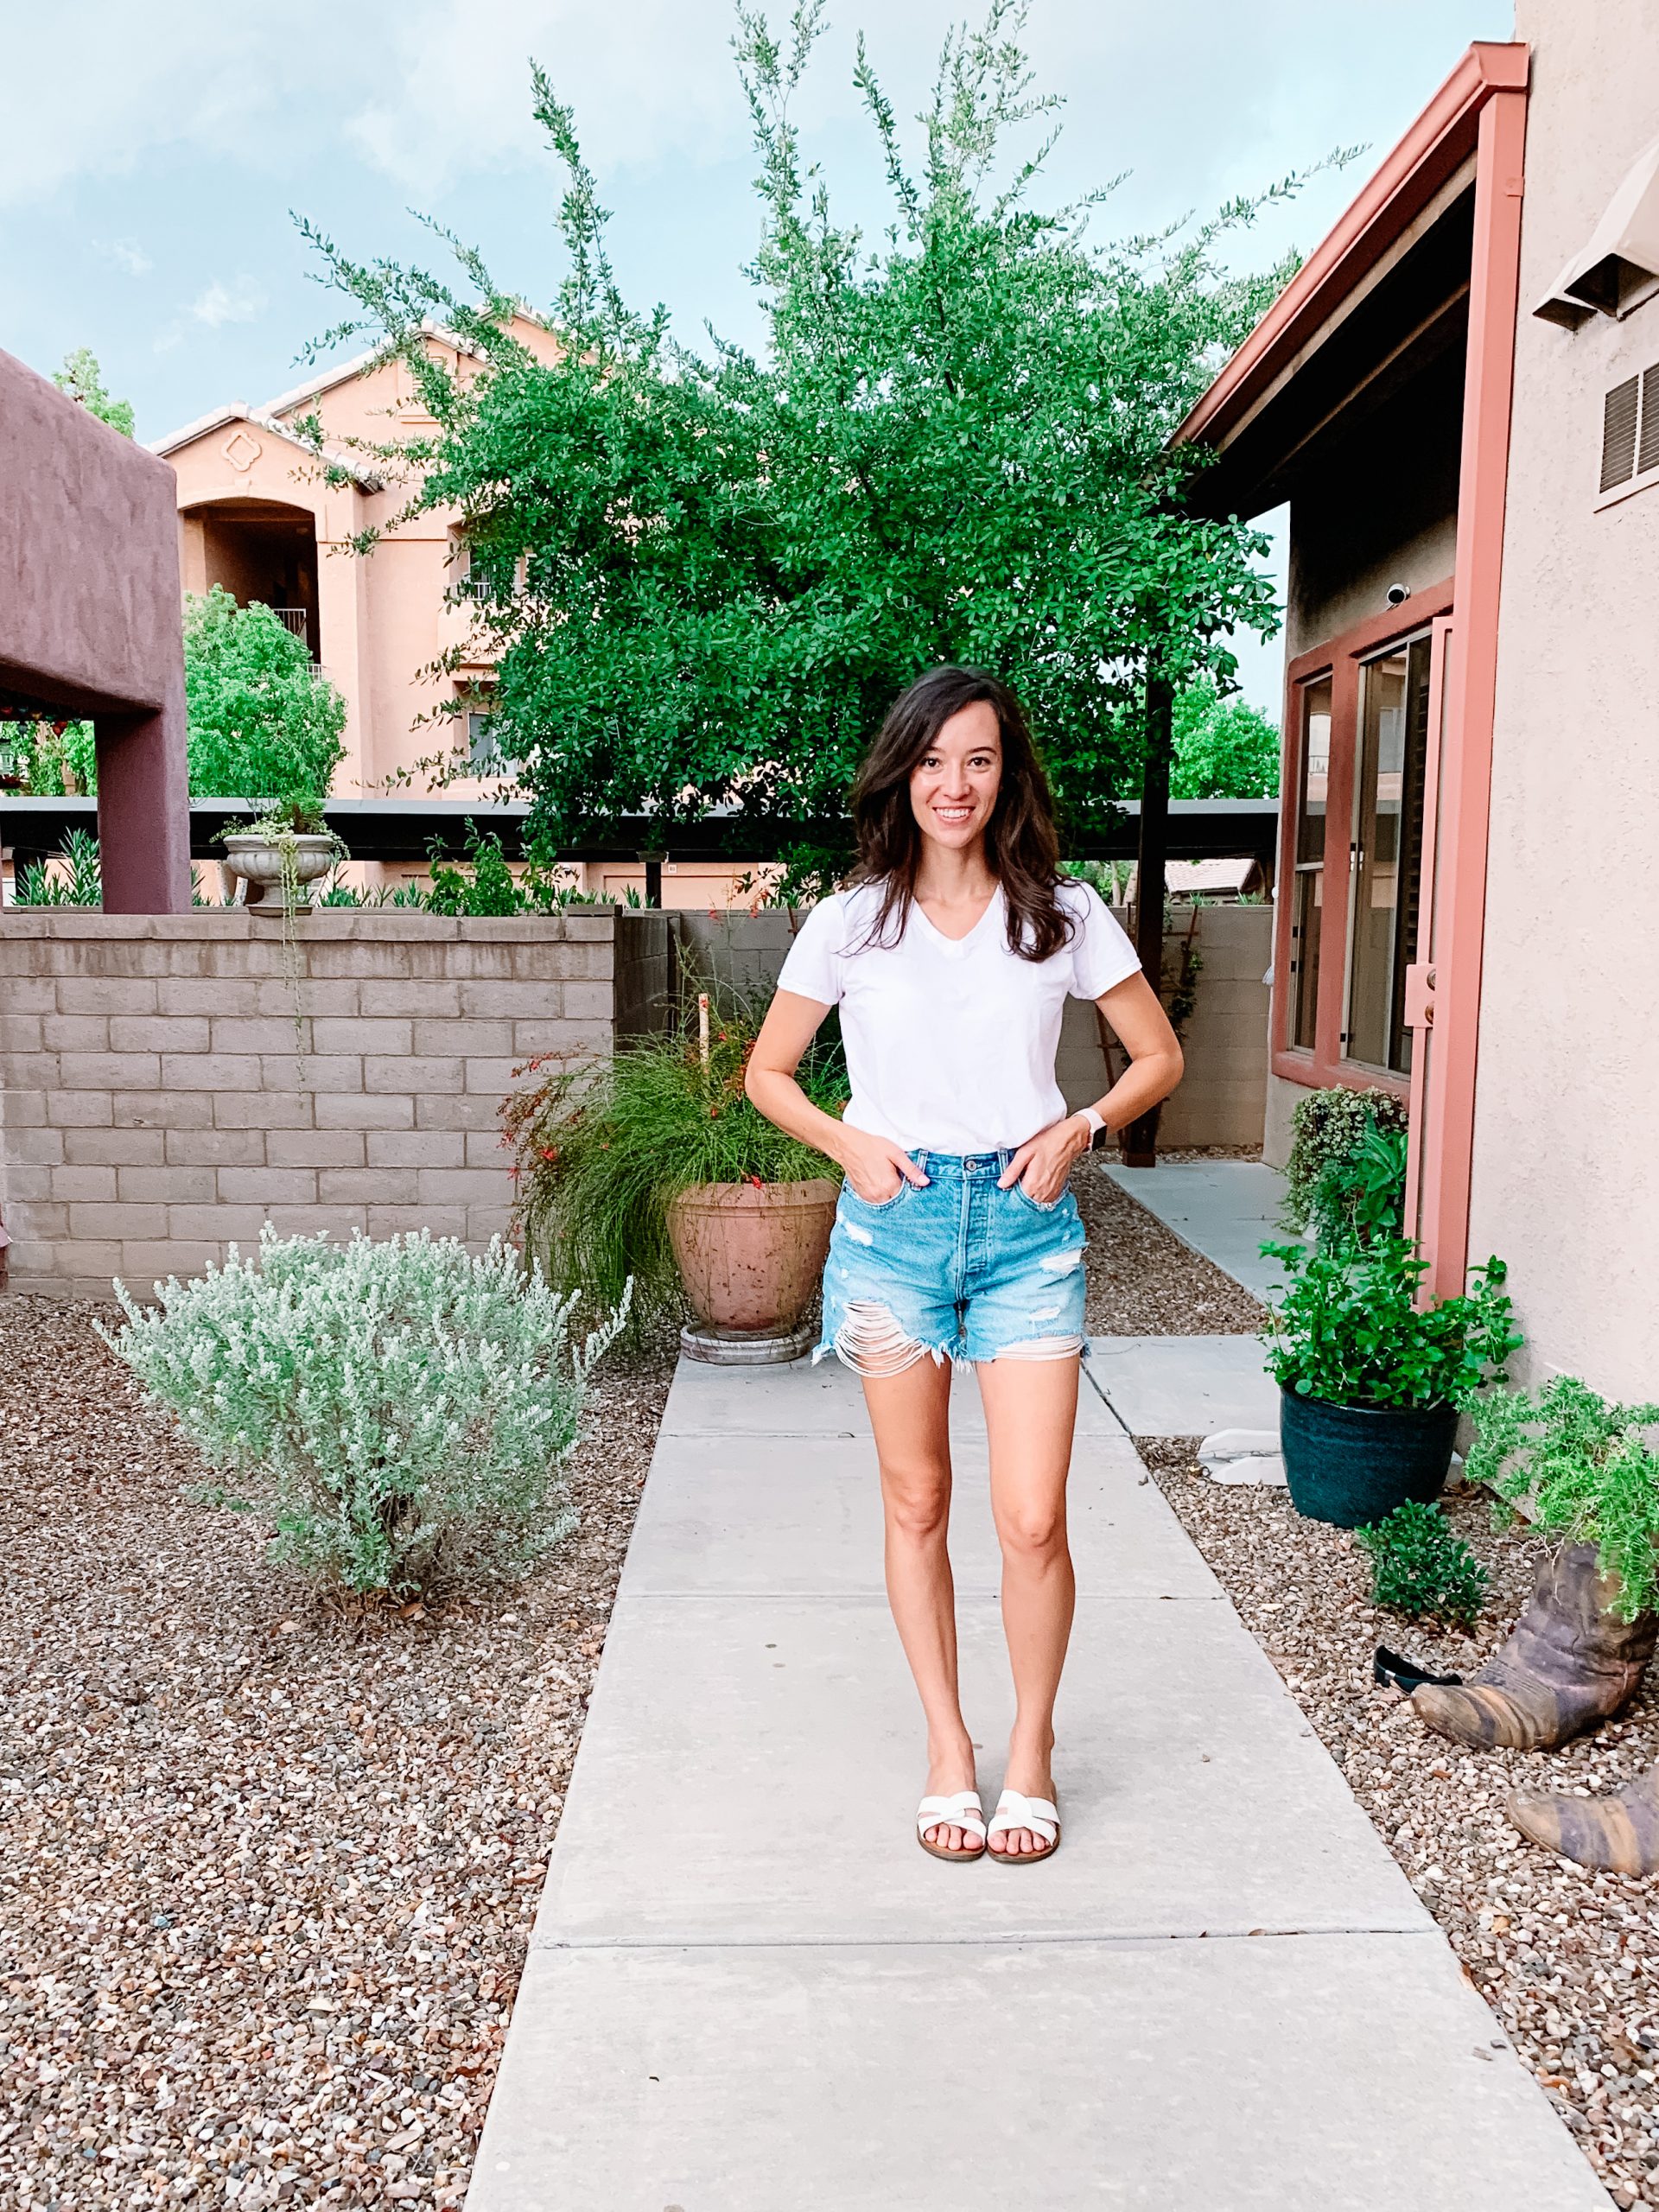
[267, 1867]
[1142, 1280]
[1569, 1960]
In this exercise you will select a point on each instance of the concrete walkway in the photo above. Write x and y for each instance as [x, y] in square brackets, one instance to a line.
[748, 1991]
[1223, 1208]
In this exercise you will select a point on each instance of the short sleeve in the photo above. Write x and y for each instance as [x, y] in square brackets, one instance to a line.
[1102, 954]
[813, 966]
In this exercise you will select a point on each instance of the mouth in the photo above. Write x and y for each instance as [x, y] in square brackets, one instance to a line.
[953, 817]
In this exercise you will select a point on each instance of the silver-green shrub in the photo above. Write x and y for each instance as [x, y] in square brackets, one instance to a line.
[391, 1407]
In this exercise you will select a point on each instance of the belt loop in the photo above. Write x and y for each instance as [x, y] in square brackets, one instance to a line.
[921, 1159]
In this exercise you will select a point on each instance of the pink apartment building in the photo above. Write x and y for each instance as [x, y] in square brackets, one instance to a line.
[256, 517]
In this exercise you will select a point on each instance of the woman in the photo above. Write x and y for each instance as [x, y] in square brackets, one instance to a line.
[956, 1237]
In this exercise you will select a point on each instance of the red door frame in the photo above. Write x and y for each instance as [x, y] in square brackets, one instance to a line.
[1445, 1141]
[1340, 657]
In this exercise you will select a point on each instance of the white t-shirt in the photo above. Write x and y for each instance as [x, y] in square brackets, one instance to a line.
[951, 1044]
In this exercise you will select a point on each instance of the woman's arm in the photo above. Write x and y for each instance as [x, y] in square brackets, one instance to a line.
[1142, 1027]
[875, 1166]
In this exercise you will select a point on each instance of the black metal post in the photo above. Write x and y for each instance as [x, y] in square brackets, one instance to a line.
[1138, 1141]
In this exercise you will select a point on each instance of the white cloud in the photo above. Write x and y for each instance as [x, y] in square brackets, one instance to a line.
[239, 302]
[128, 254]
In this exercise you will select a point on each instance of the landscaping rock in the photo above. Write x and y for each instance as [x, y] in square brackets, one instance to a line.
[268, 1862]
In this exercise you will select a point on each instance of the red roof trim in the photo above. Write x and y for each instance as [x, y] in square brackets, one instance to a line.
[1442, 138]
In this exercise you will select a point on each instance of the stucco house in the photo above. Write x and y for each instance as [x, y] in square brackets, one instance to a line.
[1458, 397]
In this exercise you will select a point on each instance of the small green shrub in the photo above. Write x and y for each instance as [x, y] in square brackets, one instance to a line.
[1349, 1332]
[1346, 1173]
[392, 1408]
[1421, 1569]
[1586, 1469]
[79, 884]
[599, 1153]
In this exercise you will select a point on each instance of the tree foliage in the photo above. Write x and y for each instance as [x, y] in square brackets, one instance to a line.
[1225, 748]
[716, 568]
[263, 723]
[82, 378]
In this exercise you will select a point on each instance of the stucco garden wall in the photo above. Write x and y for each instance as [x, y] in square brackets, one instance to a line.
[155, 1105]
[1566, 1176]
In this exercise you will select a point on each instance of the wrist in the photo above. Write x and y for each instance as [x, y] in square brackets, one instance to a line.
[1092, 1122]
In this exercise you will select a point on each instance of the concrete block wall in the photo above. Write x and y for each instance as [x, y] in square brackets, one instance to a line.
[156, 1102]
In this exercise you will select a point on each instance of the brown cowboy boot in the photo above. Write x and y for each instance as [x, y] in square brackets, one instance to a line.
[1619, 1833]
[1570, 1662]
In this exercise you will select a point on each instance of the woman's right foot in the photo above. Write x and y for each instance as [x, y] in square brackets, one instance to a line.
[945, 1777]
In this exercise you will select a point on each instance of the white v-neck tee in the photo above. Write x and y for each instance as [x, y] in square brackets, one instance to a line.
[950, 1041]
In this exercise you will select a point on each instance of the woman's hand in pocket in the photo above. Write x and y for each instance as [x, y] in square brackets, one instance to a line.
[1043, 1162]
[877, 1168]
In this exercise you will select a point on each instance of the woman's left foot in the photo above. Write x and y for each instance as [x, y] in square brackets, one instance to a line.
[1023, 1828]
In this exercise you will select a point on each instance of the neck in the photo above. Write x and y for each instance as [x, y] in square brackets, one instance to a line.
[952, 874]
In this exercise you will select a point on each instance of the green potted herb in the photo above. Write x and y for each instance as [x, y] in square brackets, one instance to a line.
[1586, 1469]
[1372, 1382]
[658, 1169]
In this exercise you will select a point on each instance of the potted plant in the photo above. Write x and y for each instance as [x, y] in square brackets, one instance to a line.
[1345, 1178]
[657, 1168]
[287, 846]
[1371, 1382]
[1584, 1467]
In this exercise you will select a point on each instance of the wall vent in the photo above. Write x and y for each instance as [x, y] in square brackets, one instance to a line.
[1630, 435]
[1618, 420]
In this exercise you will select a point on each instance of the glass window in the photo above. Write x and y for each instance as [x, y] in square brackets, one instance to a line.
[1307, 895]
[1387, 877]
[480, 742]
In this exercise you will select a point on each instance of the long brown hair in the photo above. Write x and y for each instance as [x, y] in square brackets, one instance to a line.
[1022, 847]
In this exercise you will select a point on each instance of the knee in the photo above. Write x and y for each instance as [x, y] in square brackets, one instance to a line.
[1032, 1534]
[918, 1513]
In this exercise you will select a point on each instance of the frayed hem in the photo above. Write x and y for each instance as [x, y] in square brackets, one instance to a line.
[1036, 1348]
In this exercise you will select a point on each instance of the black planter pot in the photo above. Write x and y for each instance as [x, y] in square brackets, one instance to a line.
[1352, 1464]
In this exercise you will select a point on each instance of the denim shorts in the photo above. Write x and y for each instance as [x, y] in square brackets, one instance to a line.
[957, 1269]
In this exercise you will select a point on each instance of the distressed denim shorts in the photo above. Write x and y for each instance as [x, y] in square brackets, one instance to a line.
[956, 1268]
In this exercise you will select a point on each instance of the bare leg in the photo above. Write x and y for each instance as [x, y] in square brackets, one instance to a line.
[1031, 1409]
[910, 1414]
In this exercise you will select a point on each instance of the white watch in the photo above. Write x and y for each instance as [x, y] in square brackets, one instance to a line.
[1096, 1121]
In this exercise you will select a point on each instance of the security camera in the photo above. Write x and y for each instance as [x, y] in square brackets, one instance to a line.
[1398, 593]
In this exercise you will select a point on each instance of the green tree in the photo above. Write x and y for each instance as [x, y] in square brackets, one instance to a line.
[57, 760]
[1224, 748]
[82, 378]
[709, 573]
[263, 723]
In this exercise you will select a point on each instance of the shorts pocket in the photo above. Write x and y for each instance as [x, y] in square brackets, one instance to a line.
[1037, 1205]
[878, 1205]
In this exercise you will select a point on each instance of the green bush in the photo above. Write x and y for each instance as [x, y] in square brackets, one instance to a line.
[1347, 1174]
[1421, 1569]
[1350, 1332]
[79, 884]
[262, 719]
[393, 1409]
[600, 1152]
[1586, 1467]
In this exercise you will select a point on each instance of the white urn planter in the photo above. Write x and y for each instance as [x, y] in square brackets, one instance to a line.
[257, 861]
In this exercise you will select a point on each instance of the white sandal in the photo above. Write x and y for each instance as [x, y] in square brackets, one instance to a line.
[961, 1811]
[1014, 1810]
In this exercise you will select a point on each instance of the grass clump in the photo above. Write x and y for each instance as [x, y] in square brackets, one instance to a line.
[600, 1154]
[1420, 1567]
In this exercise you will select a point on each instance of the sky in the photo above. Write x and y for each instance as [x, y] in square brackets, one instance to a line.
[155, 156]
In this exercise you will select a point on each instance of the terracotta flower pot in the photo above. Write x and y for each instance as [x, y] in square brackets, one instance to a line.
[750, 1257]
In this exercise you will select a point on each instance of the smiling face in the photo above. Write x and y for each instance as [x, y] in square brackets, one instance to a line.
[953, 786]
